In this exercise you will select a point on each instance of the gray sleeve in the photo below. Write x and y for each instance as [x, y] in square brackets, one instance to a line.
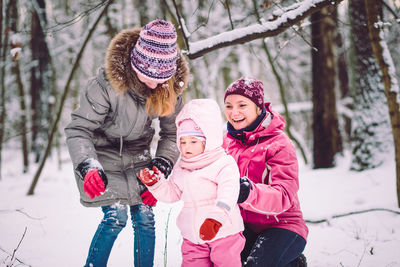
[166, 147]
[90, 115]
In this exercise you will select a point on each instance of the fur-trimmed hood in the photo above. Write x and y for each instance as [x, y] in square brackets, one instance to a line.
[120, 73]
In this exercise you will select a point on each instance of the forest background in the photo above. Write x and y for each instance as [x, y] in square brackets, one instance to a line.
[329, 67]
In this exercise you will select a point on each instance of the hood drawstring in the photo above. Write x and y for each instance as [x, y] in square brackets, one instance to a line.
[254, 148]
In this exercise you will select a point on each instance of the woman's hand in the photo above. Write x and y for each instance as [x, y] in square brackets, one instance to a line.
[93, 183]
[245, 187]
[94, 179]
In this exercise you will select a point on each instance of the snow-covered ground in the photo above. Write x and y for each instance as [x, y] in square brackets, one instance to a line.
[59, 229]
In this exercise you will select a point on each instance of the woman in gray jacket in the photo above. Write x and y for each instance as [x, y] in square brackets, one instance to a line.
[110, 134]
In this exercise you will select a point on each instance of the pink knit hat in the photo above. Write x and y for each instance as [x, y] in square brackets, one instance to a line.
[189, 127]
[155, 52]
[247, 87]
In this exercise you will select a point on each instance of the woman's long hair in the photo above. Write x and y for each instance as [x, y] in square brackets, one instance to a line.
[162, 99]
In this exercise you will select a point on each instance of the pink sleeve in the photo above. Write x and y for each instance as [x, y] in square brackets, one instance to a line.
[166, 190]
[276, 197]
[227, 192]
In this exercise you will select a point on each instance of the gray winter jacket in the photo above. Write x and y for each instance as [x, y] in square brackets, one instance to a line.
[112, 126]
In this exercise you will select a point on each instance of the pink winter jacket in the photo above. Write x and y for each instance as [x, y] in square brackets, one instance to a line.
[268, 158]
[208, 189]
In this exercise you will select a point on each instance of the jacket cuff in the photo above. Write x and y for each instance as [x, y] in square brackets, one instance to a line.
[86, 165]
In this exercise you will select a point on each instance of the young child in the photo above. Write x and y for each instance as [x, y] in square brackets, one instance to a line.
[206, 179]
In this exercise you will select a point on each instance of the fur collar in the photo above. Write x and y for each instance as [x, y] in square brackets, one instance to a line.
[120, 73]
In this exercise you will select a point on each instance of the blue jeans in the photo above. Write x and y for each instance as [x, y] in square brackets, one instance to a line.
[115, 218]
[274, 247]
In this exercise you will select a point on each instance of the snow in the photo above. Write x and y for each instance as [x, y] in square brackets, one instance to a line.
[15, 51]
[184, 28]
[291, 13]
[59, 229]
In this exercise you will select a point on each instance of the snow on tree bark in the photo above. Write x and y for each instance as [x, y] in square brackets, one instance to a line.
[370, 134]
[392, 90]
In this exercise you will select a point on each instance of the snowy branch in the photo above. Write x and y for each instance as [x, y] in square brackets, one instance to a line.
[267, 29]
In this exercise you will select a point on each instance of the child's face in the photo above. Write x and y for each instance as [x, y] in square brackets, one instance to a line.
[190, 146]
[240, 111]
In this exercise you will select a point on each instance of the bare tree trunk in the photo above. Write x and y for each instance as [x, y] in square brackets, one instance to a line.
[143, 10]
[2, 85]
[327, 141]
[111, 29]
[281, 90]
[15, 70]
[371, 136]
[40, 80]
[391, 88]
[343, 79]
[63, 97]
[3, 62]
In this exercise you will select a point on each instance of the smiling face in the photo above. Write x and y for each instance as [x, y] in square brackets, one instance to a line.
[190, 146]
[240, 111]
[149, 83]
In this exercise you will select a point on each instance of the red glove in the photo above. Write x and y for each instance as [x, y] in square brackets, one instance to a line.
[209, 229]
[148, 198]
[149, 177]
[93, 184]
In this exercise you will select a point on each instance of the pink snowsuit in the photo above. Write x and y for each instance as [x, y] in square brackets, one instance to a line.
[268, 158]
[209, 188]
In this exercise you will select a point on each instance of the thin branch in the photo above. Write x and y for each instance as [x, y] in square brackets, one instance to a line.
[166, 239]
[8, 253]
[24, 213]
[352, 213]
[226, 5]
[62, 25]
[267, 29]
[183, 27]
[20, 241]
[208, 17]
[29, 216]
[63, 98]
[295, 30]
[13, 258]
[389, 8]
[281, 88]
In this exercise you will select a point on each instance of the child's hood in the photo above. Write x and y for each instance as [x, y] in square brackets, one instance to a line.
[207, 115]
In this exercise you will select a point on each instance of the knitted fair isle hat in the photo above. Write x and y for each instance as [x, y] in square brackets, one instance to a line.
[247, 87]
[189, 127]
[155, 53]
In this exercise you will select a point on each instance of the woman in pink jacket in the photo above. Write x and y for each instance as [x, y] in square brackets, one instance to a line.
[206, 179]
[275, 230]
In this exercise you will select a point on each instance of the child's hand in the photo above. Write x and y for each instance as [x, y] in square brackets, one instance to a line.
[209, 229]
[149, 177]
